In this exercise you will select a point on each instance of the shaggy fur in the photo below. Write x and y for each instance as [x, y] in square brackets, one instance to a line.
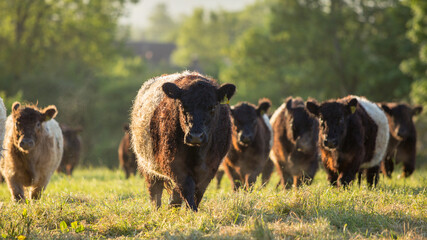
[127, 158]
[146, 102]
[72, 149]
[295, 151]
[246, 160]
[180, 133]
[31, 168]
[403, 137]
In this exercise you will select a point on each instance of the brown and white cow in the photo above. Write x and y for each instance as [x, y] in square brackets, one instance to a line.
[127, 158]
[295, 150]
[353, 135]
[251, 143]
[180, 134]
[3, 117]
[403, 137]
[34, 146]
[72, 149]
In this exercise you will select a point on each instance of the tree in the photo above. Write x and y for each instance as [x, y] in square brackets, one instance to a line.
[323, 49]
[162, 27]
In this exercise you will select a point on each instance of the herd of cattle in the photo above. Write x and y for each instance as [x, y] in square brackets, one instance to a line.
[183, 133]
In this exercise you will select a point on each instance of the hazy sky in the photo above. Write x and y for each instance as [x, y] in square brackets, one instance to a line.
[137, 14]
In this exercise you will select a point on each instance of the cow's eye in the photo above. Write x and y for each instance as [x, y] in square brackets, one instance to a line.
[38, 124]
[212, 109]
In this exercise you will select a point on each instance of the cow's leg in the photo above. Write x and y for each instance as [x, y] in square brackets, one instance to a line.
[234, 177]
[36, 192]
[155, 188]
[16, 189]
[127, 172]
[372, 175]
[387, 166]
[175, 199]
[250, 180]
[284, 177]
[345, 178]
[218, 176]
[69, 169]
[332, 177]
[359, 177]
[188, 192]
[296, 181]
[406, 154]
[267, 171]
[200, 191]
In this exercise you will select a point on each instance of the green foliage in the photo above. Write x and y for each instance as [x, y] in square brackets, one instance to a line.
[100, 203]
[323, 49]
[204, 37]
[162, 27]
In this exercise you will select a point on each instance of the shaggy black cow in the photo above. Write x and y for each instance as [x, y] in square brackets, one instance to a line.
[295, 151]
[403, 137]
[127, 158]
[353, 135]
[251, 143]
[72, 149]
[180, 134]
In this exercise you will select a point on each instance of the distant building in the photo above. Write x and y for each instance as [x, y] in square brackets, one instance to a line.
[154, 52]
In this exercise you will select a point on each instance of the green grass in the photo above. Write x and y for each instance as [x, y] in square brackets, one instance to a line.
[99, 203]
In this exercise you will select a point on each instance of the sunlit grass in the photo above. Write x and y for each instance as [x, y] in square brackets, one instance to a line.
[99, 203]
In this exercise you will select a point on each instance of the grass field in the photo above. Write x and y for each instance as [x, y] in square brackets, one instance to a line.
[99, 204]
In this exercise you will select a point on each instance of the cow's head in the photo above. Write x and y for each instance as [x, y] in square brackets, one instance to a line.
[28, 122]
[301, 127]
[333, 118]
[198, 107]
[245, 120]
[401, 124]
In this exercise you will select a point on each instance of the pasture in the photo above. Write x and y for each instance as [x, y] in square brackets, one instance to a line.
[101, 204]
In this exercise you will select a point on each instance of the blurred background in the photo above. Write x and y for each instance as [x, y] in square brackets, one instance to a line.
[90, 57]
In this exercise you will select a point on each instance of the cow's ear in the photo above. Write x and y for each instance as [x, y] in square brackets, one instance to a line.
[225, 92]
[313, 107]
[386, 108]
[289, 104]
[417, 110]
[15, 107]
[172, 90]
[352, 105]
[49, 113]
[263, 105]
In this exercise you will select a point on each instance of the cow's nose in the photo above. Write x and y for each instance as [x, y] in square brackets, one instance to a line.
[26, 144]
[245, 138]
[196, 139]
[330, 143]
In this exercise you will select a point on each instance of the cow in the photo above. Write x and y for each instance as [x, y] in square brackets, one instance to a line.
[295, 151]
[3, 118]
[403, 137]
[127, 157]
[353, 135]
[33, 150]
[72, 149]
[251, 143]
[180, 134]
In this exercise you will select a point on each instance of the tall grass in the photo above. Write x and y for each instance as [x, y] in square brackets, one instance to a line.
[99, 203]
